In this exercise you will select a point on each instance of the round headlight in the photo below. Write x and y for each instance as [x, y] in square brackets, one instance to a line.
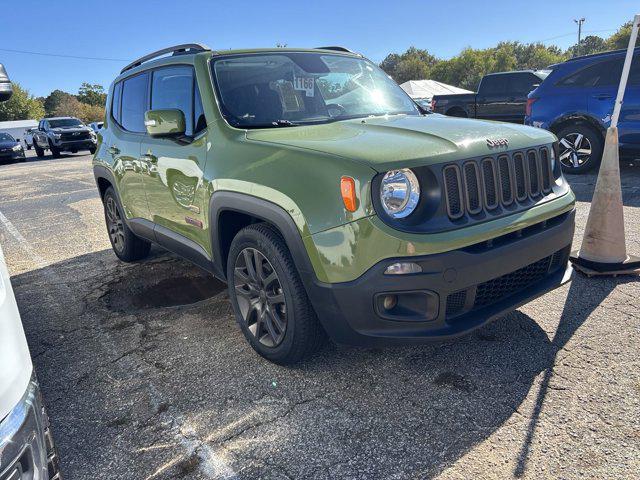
[399, 192]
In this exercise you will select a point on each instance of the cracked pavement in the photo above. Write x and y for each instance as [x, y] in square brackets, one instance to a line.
[146, 375]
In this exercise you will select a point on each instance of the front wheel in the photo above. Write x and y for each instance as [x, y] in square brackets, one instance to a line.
[268, 298]
[55, 152]
[580, 148]
[39, 151]
[126, 245]
[92, 150]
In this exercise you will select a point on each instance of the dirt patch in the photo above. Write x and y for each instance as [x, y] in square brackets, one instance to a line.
[161, 285]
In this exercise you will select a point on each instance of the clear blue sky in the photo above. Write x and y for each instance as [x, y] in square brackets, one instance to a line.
[129, 29]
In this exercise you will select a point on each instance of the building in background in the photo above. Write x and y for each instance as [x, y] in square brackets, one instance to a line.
[18, 129]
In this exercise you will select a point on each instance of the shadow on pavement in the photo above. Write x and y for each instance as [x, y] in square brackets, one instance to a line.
[119, 381]
[584, 185]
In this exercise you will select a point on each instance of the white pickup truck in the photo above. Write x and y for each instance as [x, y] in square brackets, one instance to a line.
[26, 446]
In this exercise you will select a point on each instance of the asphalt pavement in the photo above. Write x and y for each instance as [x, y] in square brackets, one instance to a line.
[146, 375]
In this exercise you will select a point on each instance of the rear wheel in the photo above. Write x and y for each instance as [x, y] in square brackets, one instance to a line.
[580, 148]
[268, 298]
[127, 246]
[39, 151]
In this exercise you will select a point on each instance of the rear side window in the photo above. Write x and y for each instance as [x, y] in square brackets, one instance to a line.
[134, 102]
[493, 84]
[601, 74]
[115, 104]
[522, 83]
[172, 88]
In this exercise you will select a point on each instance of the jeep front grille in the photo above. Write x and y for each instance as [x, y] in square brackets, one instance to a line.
[483, 185]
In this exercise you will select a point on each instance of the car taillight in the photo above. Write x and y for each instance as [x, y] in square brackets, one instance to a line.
[433, 104]
[530, 102]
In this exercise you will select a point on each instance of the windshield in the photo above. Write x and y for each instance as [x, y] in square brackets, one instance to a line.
[65, 122]
[5, 137]
[292, 88]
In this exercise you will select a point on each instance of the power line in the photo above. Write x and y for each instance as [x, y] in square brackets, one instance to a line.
[60, 55]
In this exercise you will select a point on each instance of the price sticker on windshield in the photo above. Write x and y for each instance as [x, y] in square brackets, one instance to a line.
[304, 84]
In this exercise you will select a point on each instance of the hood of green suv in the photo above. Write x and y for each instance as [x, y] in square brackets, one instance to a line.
[398, 141]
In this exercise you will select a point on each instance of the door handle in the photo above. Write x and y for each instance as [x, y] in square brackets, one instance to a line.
[113, 150]
[603, 96]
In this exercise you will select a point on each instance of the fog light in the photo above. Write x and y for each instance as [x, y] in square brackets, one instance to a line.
[403, 268]
[389, 302]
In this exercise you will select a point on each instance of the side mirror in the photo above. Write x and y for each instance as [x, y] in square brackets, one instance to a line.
[165, 123]
[6, 90]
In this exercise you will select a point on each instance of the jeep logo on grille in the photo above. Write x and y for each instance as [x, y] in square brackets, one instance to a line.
[497, 142]
[76, 134]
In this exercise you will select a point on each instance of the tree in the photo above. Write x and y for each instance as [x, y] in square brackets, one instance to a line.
[21, 106]
[588, 45]
[68, 106]
[53, 101]
[92, 94]
[414, 64]
[620, 39]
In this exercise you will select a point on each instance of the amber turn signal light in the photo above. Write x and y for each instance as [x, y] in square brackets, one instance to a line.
[348, 191]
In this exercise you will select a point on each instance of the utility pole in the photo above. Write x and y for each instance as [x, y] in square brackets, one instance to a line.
[579, 22]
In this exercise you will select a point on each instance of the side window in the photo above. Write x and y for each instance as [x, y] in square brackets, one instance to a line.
[134, 102]
[600, 74]
[522, 83]
[634, 72]
[115, 103]
[493, 85]
[199, 119]
[172, 88]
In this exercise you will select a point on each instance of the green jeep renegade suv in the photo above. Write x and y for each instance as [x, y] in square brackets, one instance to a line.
[327, 199]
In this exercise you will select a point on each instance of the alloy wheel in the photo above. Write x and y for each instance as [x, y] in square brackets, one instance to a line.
[260, 297]
[114, 224]
[575, 150]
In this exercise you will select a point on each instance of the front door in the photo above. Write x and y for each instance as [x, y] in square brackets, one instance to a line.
[175, 167]
[128, 107]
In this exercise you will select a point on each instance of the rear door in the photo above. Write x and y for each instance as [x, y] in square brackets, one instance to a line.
[130, 99]
[490, 100]
[517, 88]
[175, 167]
[629, 121]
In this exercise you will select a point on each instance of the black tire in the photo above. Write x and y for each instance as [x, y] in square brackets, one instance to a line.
[39, 151]
[571, 160]
[92, 150]
[127, 246]
[28, 147]
[302, 334]
[457, 112]
[55, 152]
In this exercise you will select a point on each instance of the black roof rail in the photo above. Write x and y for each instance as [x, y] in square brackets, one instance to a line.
[185, 48]
[337, 48]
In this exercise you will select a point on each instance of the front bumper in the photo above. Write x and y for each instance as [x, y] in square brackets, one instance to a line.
[27, 451]
[66, 145]
[461, 290]
[12, 155]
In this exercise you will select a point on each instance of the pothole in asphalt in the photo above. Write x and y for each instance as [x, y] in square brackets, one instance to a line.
[161, 285]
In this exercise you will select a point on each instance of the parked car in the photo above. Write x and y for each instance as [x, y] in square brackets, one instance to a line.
[95, 126]
[26, 443]
[28, 138]
[63, 134]
[500, 96]
[10, 149]
[576, 103]
[313, 184]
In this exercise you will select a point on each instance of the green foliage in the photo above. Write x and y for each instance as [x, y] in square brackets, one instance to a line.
[620, 39]
[588, 45]
[21, 106]
[92, 94]
[469, 66]
[53, 101]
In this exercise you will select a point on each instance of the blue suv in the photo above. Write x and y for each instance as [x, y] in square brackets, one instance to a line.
[576, 102]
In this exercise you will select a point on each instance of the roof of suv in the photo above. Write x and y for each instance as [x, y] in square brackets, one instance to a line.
[192, 49]
[601, 54]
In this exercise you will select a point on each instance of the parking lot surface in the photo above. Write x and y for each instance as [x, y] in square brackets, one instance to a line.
[146, 375]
